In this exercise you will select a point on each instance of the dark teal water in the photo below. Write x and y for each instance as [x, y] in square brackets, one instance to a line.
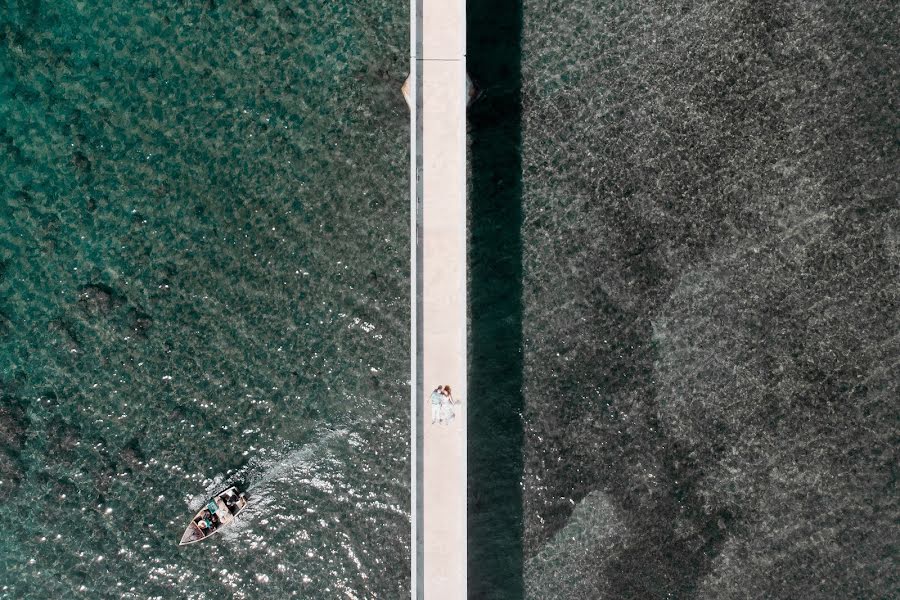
[495, 524]
[203, 279]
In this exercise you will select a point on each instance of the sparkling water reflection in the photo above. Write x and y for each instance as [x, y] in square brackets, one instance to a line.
[203, 274]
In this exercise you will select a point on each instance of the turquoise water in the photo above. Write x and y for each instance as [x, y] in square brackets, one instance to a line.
[203, 279]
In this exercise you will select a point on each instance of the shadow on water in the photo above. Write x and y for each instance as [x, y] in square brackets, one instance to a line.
[495, 265]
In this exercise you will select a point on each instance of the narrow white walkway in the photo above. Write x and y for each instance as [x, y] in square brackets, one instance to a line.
[438, 108]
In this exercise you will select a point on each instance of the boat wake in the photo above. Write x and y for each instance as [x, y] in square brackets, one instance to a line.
[271, 477]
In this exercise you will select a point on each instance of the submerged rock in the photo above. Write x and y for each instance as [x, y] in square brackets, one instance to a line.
[5, 325]
[66, 334]
[13, 423]
[81, 162]
[13, 428]
[131, 457]
[97, 298]
[62, 437]
[139, 321]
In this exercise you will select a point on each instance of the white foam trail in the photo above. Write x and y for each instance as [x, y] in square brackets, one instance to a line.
[268, 478]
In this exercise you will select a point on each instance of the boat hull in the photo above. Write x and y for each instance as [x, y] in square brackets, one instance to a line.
[218, 513]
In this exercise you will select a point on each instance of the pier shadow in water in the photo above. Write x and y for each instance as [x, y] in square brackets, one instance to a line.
[495, 269]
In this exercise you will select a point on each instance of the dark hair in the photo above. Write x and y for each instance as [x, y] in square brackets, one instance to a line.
[447, 388]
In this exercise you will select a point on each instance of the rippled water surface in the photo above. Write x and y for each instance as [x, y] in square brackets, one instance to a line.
[203, 279]
[684, 299]
[711, 258]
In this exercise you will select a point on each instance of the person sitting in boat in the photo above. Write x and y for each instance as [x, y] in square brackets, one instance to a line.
[203, 522]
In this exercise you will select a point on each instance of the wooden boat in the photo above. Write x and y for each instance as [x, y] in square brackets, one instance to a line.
[218, 513]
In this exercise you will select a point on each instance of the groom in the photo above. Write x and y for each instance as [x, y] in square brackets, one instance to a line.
[437, 399]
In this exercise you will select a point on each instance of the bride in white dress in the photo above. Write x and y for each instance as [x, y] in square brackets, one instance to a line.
[447, 413]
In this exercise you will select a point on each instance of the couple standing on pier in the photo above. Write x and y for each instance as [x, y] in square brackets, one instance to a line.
[442, 405]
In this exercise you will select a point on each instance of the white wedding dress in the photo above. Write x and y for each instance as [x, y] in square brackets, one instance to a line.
[447, 414]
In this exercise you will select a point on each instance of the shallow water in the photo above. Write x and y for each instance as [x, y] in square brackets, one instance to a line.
[710, 292]
[203, 279]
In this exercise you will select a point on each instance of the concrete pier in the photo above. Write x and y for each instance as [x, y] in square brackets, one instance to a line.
[437, 94]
